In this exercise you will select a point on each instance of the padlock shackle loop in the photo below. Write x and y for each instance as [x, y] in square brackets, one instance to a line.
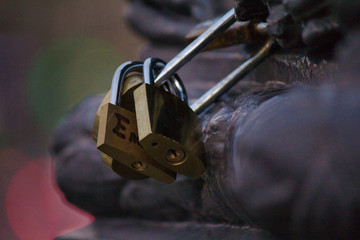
[150, 65]
[180, 87]
[117, 84]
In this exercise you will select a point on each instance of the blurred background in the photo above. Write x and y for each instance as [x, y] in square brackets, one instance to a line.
[52, 55]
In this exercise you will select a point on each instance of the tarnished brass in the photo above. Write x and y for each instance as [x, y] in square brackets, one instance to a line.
[118, 139]
[115, 130]
[133, 80]
[239, 33]
[121, 169]
[169, 130]
[115, 165]
[95, 130]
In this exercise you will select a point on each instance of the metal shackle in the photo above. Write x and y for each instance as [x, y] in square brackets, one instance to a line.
[174, 84]
[121, 72]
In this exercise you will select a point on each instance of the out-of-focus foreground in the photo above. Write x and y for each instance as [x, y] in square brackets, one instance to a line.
[52, 54]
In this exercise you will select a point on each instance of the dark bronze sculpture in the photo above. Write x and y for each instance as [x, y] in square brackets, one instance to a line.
[282, 147]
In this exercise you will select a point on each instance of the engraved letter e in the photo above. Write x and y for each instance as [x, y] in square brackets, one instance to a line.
[119, 125]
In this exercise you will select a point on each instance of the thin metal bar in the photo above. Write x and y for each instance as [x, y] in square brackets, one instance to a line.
[196, 46]
[234, 77]
[117, 84]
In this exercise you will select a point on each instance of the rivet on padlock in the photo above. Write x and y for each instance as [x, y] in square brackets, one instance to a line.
[169, 130]
[118, 133]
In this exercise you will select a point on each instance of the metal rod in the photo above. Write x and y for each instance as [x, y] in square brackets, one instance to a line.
[196, 46]
[234, 77]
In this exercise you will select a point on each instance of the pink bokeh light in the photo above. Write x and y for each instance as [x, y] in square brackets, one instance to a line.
[35, 206]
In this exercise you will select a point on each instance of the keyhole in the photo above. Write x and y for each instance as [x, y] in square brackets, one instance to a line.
[171, 151]
[174, 156]
[139, 165]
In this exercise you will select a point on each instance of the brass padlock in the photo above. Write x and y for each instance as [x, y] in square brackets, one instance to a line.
[169, 130]
[118, 133]
[116, 165]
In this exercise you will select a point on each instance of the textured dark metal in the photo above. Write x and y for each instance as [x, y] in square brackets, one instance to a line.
[246, 9]
[279, 171]
[226, 193]
[347, 12]
[306, 9]
[238, 33]
[284, 28]
[173, 18]
[126, 229]
[299, 23]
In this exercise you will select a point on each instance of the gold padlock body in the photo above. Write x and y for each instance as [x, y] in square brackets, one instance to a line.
[121, 150]
[169, 130]
[118, 139]
[95, 129]
[121, 169]
[116, 165]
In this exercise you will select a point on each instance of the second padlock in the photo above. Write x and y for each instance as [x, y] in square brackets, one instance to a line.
[169, 130]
